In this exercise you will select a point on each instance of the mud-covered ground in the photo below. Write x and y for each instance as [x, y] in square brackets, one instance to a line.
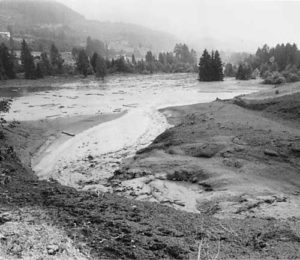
[246, 163]
[239, 162]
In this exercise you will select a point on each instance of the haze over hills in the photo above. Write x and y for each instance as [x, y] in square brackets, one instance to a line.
[53, 21]
[43, 21]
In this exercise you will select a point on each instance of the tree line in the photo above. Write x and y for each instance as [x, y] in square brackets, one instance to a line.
[93, 60]
[46, 64]
[275, 65]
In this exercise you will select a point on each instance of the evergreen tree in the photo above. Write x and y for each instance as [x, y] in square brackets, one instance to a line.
[133, 60]
[45, 65]
[205, 70]
[2, 72]
[100, 67]
[150, 61]
[27, 61]
[56, 60]
[38, 71]
[229, 70]
[244, 72]
[7, 63]
[75, 53]
[141, 67]
[218, 67]
[122, 65]
[162, 58]
[94, 61]
[82, 63]
[210, 67]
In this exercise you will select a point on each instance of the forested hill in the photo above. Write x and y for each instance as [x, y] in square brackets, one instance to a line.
[24, 14]
[42, 21]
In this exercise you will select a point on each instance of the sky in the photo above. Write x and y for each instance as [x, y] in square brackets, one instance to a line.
[235, 24]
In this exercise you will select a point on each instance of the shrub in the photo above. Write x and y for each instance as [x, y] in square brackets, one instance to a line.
[291, 76]
[274, 78]
[4, 108]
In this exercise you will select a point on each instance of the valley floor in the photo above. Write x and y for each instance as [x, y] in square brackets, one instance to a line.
[241, 158]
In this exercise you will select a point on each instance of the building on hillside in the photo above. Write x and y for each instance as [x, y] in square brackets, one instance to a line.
[5, 35]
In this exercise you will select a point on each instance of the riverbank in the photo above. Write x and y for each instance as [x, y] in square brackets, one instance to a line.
[239, 162]
[227, 151]
[31, 139]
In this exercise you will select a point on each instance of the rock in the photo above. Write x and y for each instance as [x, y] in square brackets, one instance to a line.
[239, 149]
[179, 203]
[157, 246]
[137, 173]
[296, 148]
[161, 176]
[232, 163]
[52, 249]
[119, 189]
[270, 152]
[148, 180]
[194, 179]
[5, 217]
[90, 158]
[207, 152]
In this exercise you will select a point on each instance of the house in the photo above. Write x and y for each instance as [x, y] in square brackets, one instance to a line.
[5, 35]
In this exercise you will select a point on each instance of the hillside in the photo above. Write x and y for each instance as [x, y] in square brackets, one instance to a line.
[46, 21]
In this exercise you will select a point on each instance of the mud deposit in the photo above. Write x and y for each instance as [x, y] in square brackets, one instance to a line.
[238, 168]
[223, 159]
[87, 159]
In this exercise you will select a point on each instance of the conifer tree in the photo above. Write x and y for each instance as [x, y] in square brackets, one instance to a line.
[38, 71]
[100, 67]
[7, 63]
[56, 60]
[205, 67]
[244, 72]
[218, 66]
[2, 72]
[45, 65]
[229, 70]
[94, 61]
[133, 60]
[27, 61]
[210, 67]
[82, 63]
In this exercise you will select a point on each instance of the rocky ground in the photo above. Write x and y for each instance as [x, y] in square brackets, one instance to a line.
[242, 163]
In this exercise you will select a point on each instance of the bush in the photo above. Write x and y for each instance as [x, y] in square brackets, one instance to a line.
[274, 78]
[291, 76]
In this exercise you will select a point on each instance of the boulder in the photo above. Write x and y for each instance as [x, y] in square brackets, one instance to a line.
[296, 148]
[270, 152]
[52, 249]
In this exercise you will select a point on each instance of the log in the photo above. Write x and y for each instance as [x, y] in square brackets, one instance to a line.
[69, 134]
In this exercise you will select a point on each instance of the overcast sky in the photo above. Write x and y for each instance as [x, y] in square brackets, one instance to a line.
[245, 22]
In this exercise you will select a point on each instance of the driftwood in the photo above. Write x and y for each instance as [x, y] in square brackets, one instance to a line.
[69, 134]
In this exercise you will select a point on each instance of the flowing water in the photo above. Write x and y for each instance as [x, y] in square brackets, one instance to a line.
[109, 143]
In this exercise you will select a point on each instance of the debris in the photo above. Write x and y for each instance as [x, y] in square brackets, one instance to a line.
[69, 134]
[270, 152]
[52, 249]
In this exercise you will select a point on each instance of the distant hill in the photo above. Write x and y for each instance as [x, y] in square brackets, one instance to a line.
[42, 22]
